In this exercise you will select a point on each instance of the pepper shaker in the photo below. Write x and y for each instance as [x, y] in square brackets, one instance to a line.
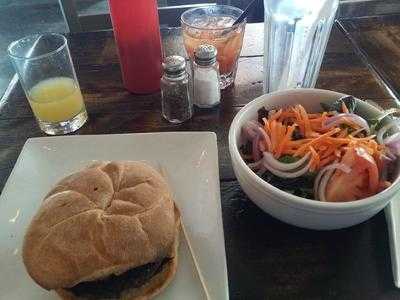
[177, 105]
[206, 86]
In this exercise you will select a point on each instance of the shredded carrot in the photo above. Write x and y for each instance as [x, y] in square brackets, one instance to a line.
[277, 134]
[303, 148]
[284, 130]
[285, 141]
[286, 115]
[315, 158]
[300, 142]
[273, 134]
[295, 132]
[276, 115]
[328, 152]
[299, 120]
[306, 120]
[371, 137]
[267, 127]
[338, 140]
[314, 116]
[327, 160]
[323, 147]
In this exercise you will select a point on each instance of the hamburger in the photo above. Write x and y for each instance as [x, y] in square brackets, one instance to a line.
[109, 231]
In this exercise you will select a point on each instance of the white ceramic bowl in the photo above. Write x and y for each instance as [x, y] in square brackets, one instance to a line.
[284, 206]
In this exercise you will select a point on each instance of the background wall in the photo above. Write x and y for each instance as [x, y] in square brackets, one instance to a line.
[19, 18]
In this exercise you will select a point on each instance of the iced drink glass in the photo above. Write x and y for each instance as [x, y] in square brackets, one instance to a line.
[213, 25]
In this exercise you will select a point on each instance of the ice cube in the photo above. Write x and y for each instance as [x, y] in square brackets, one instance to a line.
[200, 22]
[220, 22]
[224, 22]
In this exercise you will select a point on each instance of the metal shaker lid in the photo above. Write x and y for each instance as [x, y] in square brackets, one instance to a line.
[174, 64]
[205, 55]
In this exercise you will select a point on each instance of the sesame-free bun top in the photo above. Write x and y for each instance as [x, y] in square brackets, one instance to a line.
[103, 220]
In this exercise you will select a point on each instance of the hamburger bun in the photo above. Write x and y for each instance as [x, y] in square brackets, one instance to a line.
[109, 222]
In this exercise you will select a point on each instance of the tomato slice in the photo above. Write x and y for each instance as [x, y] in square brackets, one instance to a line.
[361, 182]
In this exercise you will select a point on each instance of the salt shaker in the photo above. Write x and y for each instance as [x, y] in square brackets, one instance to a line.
[177, 105]
[206, 87]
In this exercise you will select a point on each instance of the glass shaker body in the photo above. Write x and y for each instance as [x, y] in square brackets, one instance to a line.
[177, 105]
[206, 86]
[206, 76]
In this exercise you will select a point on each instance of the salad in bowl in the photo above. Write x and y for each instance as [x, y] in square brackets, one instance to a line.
[315, 158]
[334, 155]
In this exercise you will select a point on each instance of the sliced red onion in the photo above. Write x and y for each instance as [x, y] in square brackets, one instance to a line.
[276, 164]
[248, 133]
[384, 129]
[262, 147]
[389, 154]
[255, 165]
[322, 185]
[383, 174]
[323, 177]
[265, 138]
[393, 143]
[386, 157]
[284, 174]
[261, 171]
[255, 133]
[339, 118]
[394, 138]
[250, 130]
[253, 123]
[256, 151]
[394, 148]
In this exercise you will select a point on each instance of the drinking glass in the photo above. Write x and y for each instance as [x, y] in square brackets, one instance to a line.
[296, 34]
[213, 25]
[46, 72]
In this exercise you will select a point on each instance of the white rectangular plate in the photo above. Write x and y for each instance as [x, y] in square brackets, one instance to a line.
[188, 159]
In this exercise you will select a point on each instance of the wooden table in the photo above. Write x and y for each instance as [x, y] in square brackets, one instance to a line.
[266, 259]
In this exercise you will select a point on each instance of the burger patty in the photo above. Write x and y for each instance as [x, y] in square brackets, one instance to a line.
[112, 286]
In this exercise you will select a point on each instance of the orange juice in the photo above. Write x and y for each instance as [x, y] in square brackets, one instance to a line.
[56, 99]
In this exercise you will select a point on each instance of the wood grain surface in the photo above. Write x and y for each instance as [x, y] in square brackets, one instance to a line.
[377, 39]
[266, 258]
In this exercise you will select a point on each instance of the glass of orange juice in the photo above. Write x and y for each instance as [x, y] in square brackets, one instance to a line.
[213, 25]
[46, 72]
